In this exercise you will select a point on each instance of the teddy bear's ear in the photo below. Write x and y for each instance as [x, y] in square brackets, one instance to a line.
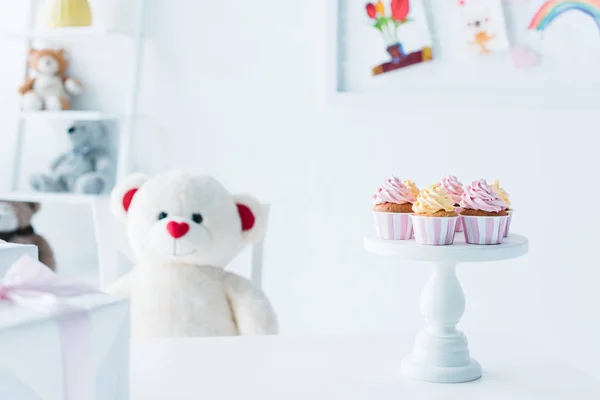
[252, 217]
[122, 194]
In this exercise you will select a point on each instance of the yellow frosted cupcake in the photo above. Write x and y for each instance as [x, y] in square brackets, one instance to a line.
[503, 194]
[434, 220]
[412, 187]
[434, 201]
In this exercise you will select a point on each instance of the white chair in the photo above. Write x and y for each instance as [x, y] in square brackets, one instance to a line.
[112, 245]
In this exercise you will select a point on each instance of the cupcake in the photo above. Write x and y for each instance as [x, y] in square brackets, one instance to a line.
[506, 198]
[392, 206]
[434, 220]
[455, 190]
[412, 186]
[484, 214]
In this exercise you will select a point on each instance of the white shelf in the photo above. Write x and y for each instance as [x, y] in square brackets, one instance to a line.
[65, 198]
[66, 115]
[66, 33]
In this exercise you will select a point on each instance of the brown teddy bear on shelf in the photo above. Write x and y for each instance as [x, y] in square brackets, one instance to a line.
[15, 227]
[50, 88]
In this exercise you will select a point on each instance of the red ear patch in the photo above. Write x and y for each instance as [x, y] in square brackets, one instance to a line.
[246, 216]
[127, 198]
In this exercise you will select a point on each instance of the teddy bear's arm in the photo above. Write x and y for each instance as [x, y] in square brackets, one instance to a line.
[122, 287]
[27, 86]
[252, 310]
[73, 86]
[104, 163]
[45, 252]
[58, 161]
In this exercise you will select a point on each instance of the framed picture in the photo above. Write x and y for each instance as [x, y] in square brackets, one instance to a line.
[402, 27]
[376, 38]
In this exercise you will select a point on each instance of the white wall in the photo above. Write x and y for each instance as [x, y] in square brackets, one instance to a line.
[232, 89]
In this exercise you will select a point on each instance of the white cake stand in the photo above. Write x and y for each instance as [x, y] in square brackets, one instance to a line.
[441, 353]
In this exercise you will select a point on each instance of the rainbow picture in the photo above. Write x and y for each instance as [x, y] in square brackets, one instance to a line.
[554, 8]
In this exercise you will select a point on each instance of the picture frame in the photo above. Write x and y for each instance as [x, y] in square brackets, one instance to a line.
[522, 92]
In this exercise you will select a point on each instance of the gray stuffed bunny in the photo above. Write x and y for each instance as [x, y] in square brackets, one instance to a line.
[86, 168]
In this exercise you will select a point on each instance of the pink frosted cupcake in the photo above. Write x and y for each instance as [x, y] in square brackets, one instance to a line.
[455, 190]
[484, 214]
[392, 207]
[434, 220]
[506, 198]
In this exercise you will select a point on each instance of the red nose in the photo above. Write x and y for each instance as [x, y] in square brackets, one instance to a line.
[177, 229]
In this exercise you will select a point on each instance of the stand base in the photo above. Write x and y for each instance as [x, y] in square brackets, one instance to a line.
[436, 374]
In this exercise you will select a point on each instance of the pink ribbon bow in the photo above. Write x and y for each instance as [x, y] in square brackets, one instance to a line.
[33, 286]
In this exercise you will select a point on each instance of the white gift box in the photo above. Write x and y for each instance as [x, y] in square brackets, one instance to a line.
[11, 252]
[78, 351]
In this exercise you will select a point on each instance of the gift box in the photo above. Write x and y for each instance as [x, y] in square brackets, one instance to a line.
[59, 339]
[11, 252]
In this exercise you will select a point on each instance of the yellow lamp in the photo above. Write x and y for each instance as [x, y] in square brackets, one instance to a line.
[63, 13]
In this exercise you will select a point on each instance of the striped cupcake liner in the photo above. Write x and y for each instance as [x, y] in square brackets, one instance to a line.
[393, 226]
[459, 223]
[510, 215]
[484, 230]
[434, 231]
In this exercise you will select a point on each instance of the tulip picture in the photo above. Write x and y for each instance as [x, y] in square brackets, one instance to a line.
[391, 20]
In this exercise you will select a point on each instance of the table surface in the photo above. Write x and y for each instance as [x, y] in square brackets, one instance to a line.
[342, 367]
[513, 246]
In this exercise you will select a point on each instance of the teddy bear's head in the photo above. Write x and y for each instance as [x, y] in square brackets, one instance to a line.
[476, 19]
[87, 135]
[15, 215]
[48, 61]
[179, 218]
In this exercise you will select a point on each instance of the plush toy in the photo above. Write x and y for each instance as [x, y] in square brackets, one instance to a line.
[50, 88]
[183, 231]
[86, 168]
[15, 227]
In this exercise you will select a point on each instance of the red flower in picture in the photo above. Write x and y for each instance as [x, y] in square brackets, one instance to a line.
[400, 9]
[371, 10]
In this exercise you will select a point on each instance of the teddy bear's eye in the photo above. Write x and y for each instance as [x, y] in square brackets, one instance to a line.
[197, 218]
[162, 215]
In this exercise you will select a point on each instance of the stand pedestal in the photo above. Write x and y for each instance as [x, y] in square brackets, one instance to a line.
[441, 353]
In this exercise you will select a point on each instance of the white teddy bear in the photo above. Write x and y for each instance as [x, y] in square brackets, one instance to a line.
[183, 230]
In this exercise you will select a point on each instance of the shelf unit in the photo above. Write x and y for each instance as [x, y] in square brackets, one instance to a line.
[105, 229]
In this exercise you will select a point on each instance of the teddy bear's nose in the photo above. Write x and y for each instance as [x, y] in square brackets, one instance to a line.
[177, 229]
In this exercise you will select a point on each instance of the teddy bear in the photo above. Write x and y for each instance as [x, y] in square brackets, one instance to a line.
[183, 230]
[15, 227]
[50, 88]
[86, 168]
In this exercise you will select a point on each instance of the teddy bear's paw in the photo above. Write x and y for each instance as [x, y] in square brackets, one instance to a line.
[90, 184]
[73, 87]
[31, 102]
[44, 183]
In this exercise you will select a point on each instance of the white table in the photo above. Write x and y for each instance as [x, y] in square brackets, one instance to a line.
[342, 367]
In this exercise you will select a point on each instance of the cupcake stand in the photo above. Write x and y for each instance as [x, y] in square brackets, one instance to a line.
[441, 352]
